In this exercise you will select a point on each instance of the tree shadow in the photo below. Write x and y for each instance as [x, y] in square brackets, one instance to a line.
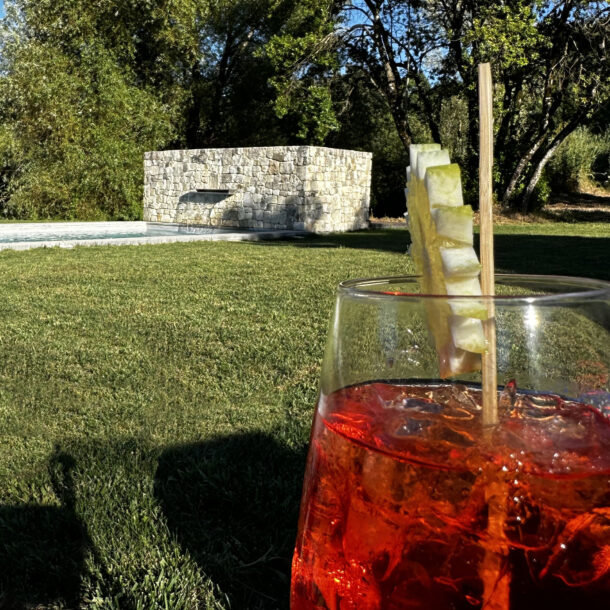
[576, 208]
[233, 505]
[232, 208]
[383, 240]
[581, 199]
[514, 253]
[572, 215]
[43, 548]
[583, 212]
[553, 255]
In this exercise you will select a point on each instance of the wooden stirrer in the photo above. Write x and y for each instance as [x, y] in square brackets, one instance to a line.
[496, 585]
[490, 383]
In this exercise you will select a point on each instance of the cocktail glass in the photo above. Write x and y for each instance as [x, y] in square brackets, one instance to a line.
[411, 501]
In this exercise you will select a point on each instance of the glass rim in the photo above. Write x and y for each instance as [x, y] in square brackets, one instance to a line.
[577, 288]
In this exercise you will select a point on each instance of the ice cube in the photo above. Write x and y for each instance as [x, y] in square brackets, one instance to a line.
[454, 436]
[371, 541]
[348, 582]
[409, 402]
[536, 406]
[411, 421]
[421, 405]
[384, 480]
[598, 399]
[582, 551]
[409, 426]
[456, 398]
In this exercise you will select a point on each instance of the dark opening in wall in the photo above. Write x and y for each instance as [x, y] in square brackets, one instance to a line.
[214, 191]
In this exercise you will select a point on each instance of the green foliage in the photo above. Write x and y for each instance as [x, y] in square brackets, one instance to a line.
[85, 90]
[86, 87]
[312, 112]
[454, 127]
[583, 159]
[541, 195]
[154, 35]
[506, 34]
[303, 57]
[550, 67]
[366, 124]
[78, 129]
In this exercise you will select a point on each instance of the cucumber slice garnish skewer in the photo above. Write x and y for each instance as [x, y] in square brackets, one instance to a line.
[441, 229]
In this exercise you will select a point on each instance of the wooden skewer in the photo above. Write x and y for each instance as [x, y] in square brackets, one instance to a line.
[490, 383]
[496, 585]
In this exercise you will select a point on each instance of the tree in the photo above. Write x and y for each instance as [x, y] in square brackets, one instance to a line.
[156, 41]
[366, 124]
[567, 85]
[235, 100]
[87, 87]
[304, 61]
[549, 61]
[74, 127]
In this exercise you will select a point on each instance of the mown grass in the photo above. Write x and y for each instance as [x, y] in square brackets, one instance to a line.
[155, 405]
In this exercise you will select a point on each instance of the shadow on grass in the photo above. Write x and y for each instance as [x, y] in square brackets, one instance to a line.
[515, 253]
[233, 505]
[554, 254]
[43, 548]
[577, 207]
[384, 240]
[583, 199]
[572, 215]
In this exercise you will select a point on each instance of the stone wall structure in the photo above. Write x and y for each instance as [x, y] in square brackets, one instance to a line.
[303, 188]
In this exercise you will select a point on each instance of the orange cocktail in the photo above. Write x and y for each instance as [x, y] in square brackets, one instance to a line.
[411, 502]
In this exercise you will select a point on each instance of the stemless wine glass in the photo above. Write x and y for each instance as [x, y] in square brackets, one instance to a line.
[410, 501]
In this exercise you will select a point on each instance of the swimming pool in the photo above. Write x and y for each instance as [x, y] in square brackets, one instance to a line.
[22, 236]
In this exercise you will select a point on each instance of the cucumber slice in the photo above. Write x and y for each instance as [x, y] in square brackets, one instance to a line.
[441, 230]
[469, 308]
[414, 149]
[454, 224]
[467, 334]
[430, 158]
[464, 287]
[461, 362]
[444, 185]
[461, 261]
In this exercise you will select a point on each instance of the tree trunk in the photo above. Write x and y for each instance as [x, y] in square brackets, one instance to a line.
[431, 116]
[550, 151]
[392, 85]
[213, 130]
[430, 110]
[193, 114]
[531, 185]
[471, 173]
[402, 128]
[512, 91]
[519, 170]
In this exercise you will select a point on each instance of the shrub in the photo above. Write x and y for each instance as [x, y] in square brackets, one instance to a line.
[75, 130]
[582, 159]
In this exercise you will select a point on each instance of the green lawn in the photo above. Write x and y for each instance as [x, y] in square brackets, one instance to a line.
[155, 404]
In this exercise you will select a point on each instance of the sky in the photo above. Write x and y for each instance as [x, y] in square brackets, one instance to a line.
[1, 8]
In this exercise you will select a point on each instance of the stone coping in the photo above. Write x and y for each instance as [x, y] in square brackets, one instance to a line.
[33, 228]
[126, 227]
[160, 154]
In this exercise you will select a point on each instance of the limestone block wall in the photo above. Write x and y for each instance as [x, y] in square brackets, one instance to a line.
[278, 187]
